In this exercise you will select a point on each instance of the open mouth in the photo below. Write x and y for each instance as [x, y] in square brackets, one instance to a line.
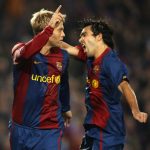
[83, 46]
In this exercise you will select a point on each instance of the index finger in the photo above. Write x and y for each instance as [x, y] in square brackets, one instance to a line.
[58, 9]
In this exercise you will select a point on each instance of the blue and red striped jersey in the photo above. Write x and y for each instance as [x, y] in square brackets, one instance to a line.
[102, 99]
[41, 89]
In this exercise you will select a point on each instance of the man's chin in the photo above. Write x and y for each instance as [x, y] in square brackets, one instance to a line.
[59, 43]
[56, 44]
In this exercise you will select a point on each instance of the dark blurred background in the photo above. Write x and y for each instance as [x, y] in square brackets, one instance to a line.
[131, 23]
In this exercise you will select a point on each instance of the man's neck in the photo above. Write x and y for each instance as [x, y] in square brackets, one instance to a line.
[101, 49]
[46, 49]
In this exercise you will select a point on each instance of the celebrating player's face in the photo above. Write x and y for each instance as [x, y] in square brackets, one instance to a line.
[88, 41]
[58, 35]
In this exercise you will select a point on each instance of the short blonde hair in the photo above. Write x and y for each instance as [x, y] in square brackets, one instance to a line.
[40, 20]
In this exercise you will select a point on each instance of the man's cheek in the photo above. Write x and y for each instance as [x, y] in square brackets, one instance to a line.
[91, 42]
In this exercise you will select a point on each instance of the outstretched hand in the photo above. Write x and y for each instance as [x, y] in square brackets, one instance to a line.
[140, 116]
[67, 118]
[57, 17]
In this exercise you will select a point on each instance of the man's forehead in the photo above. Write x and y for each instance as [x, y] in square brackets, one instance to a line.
[86, 29]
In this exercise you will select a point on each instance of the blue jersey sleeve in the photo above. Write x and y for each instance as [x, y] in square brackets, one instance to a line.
[116, 70]
[64, 90]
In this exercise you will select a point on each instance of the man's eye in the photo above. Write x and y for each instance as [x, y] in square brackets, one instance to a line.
[83, 35]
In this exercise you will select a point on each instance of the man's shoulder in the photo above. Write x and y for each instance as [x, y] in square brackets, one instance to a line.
[65, 53]
[17, 46]
[111, 55]
[111, 58]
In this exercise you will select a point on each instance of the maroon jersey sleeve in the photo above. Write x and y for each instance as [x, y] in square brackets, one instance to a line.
[81, 55]
[27, 50]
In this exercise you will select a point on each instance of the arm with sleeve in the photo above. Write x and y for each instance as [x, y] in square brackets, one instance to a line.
[116, 70]
[26, 50]
[118, 74]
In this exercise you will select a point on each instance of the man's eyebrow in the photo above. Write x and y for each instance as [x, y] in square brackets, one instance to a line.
[83, 33]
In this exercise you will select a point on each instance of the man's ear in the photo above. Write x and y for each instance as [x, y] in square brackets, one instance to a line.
[99, 37]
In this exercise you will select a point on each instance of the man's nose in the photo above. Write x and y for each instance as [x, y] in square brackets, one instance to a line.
[81, 40]
[63, 34]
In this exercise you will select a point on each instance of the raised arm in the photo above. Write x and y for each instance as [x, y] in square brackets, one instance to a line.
[26, 50]
[130, 96]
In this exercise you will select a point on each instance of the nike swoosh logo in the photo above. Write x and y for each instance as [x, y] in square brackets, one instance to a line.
[37, 62]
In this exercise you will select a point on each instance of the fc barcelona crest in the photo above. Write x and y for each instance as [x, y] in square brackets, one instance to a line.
[59, 66]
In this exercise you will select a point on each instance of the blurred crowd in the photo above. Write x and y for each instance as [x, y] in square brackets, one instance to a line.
[131, 22]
